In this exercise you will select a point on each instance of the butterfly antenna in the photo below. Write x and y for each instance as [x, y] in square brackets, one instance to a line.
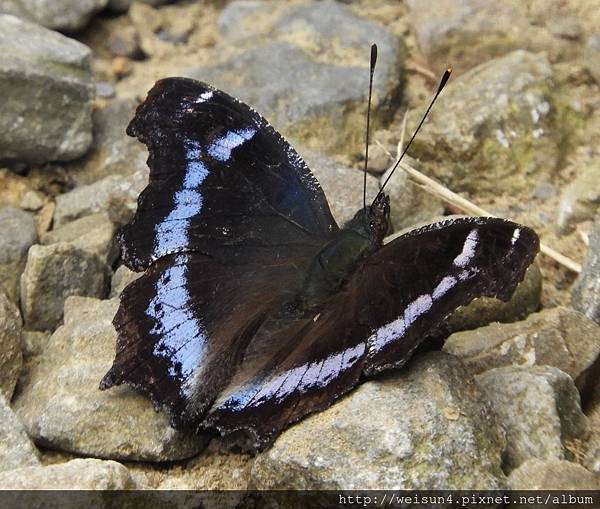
[443, 82]
[371, 71]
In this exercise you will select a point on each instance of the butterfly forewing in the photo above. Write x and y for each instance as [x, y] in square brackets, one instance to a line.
[225, 230]
[223, 182]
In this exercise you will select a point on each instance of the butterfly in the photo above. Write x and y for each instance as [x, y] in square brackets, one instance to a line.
[255, 308]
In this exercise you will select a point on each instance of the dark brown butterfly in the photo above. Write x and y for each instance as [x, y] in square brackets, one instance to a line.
[255, 308]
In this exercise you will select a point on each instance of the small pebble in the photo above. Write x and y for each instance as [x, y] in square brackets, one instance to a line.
[32, 200]
[125, 43]
[105, 90]
[43, 219]
[121, 67]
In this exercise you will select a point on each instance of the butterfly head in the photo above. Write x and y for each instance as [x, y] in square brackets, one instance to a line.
[379, 217]
[373, 222]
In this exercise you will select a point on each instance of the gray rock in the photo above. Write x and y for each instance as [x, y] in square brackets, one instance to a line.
[18, 235]
[52, 274]
[11, 358]
[537, 474]
[46, 86]
[55, 14]
[581, 199]
[124, 42]
[16, 450]
[77, 474]
[32, 200]
[559, 337]
[236, 20]
[296, 46]
[540, 409]
[123, 5]
[116, 194]
[467, 32]
[113, 152]
[94, 234]
[62, 408]
[382, 150]
[105, 90]
[121, 278]
[342, 186]
[485, 310]
[409, 204]
[505, 126]
[586, 292]
[427, 427]
[326, 110]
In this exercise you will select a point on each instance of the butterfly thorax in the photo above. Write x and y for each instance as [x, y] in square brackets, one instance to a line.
[335, 263]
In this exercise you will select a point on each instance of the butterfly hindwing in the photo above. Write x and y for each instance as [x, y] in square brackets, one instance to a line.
[184, 324]
[388, 306]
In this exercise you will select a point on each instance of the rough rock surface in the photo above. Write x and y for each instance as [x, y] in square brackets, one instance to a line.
[18, 234]
[586, 292]
[62, 408]
[77, 474]
[581, 199]
[539, 408]
[559, 337]
[94, 234]
[52, 274]
[504, 125]
[56, 14]
[409, 204]
[47, 92]
[427, 427]
[116, 194]
[10, 346]
[112, 152]
[297, 48]
[16, 450]
[538, 474]
[444, 29]
[465, 32]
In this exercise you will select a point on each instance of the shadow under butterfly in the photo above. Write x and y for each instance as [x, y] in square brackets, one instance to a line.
[256, 308]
